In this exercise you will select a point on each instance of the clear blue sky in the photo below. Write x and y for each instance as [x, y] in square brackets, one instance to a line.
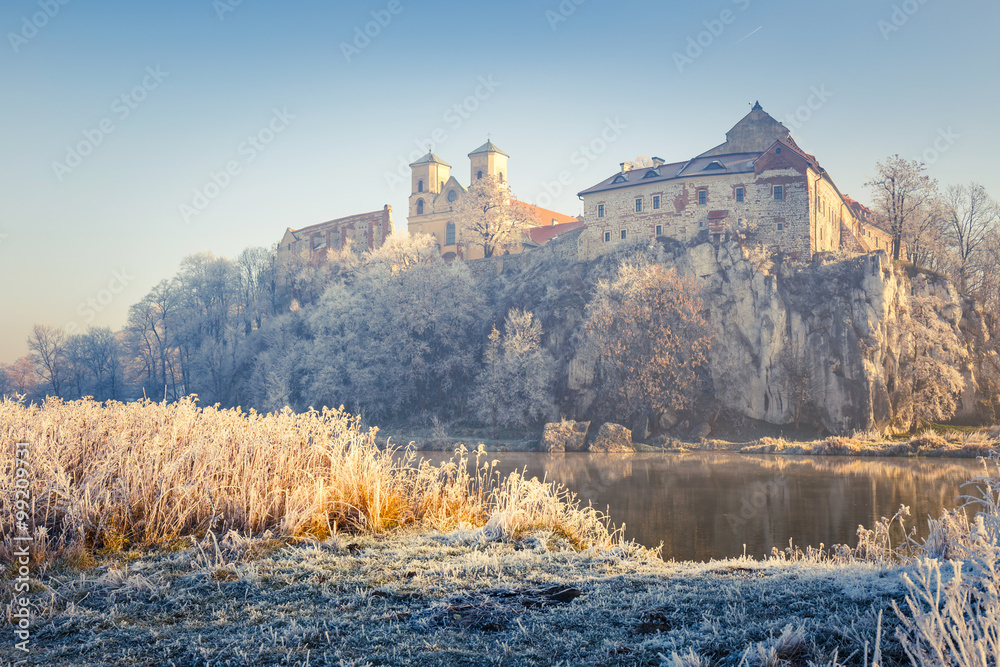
[199, 77]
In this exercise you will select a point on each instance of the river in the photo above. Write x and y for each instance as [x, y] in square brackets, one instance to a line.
[710, 504]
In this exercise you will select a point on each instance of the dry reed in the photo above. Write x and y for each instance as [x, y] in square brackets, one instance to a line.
[106, 477]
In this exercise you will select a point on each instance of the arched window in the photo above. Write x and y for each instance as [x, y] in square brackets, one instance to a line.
[420, 207]
[420, 186]
[479, 176]
[449, 234]
[501, 177]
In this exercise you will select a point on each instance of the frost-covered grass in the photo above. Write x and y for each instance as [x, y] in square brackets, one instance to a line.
[457, 598]
[104, 478]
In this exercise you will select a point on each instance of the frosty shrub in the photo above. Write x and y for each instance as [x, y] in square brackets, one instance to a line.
[952, 610]
[514, 386]
[651, 340]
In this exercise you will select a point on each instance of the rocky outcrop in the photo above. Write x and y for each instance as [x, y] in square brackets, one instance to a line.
[817, 342]
[612, 439]
[564, 436]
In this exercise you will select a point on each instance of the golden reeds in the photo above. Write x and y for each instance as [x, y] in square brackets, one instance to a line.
[104, 477]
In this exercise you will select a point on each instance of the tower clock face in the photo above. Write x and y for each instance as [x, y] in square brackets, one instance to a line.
[452, 195]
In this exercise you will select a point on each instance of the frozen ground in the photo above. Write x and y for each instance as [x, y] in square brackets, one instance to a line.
[456, 599]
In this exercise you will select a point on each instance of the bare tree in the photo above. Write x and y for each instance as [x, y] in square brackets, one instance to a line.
[48, 355]
[651, 340]
[971, 216]
[931, 355]
[489, 217]
[800, 382]
[900, 192]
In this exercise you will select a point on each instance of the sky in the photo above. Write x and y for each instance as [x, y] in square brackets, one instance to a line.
[136, 133]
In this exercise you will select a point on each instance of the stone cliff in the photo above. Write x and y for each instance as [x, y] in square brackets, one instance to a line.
[822, 342]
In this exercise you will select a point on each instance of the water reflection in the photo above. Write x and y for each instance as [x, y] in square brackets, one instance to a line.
[708, 505]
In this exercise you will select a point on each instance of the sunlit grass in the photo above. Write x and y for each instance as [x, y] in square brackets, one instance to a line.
[115, 476]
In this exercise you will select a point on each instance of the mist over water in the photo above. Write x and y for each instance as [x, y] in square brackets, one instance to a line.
[708, 505]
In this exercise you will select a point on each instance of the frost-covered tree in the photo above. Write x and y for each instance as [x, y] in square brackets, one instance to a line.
[971, 216]
[931, 354]
[48, 356]
[800, 382]
[396, 342]
[650, 338]
[514, 386]
[489, 217]
[900, 193]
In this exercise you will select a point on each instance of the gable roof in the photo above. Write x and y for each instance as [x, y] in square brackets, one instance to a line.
[753, 134]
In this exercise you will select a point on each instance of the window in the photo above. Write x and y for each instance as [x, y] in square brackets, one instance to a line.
[420, 186]
[449, 234]
[781, 226]
[638, 205]
[779, 192]
[702, 197]
[623, 235]
[420, 207]
[659, 230]
[452, 195]
[739, 194]
[479, 176]
[607, 236]
[656, 201]
[600, 210]
[820, 233]
[501, 177]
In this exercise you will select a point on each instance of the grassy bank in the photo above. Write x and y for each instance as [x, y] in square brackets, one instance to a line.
[171, 534]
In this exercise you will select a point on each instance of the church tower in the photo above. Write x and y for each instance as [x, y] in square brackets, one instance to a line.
[429, 174]
[488, 160]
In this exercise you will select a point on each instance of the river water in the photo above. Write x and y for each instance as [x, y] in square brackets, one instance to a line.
[710, 504]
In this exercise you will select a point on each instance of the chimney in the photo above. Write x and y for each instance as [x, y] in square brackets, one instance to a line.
[658, 162]
[626, 167]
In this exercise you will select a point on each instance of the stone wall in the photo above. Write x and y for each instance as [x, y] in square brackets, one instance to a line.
[680, 216]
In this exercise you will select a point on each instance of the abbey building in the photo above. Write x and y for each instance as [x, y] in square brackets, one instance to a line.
[435, 191]
[759, 179]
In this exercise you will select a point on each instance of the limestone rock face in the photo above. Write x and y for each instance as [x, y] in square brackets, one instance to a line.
[836, 323]
[612, 439]
[566, 436]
